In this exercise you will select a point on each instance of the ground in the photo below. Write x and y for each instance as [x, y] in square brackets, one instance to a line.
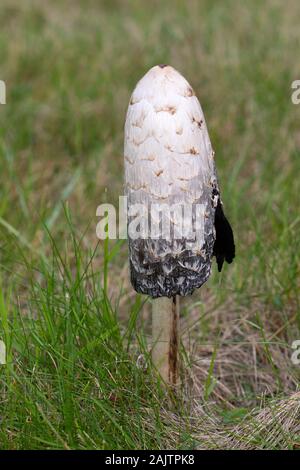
[78, 373]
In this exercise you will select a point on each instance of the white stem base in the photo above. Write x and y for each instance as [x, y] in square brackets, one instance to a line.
[165, 338]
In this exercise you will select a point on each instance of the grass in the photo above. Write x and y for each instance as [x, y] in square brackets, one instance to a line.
[78, 373]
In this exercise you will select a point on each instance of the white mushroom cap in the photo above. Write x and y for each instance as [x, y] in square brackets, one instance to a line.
[169, 160]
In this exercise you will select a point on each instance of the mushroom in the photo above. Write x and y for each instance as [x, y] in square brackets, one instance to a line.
[176, 222]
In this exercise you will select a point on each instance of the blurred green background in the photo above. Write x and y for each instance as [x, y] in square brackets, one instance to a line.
[69, 68]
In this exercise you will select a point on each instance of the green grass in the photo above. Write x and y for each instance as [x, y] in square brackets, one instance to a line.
[75, 332]
[72, 382]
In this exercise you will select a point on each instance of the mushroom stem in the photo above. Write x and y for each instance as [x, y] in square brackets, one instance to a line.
[165, 337]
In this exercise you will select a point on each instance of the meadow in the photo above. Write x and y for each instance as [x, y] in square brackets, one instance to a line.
[78, 373]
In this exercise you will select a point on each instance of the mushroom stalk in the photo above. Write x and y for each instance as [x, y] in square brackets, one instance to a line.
[165, 338]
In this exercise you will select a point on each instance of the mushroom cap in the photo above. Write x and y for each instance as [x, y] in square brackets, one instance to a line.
[169, 161]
